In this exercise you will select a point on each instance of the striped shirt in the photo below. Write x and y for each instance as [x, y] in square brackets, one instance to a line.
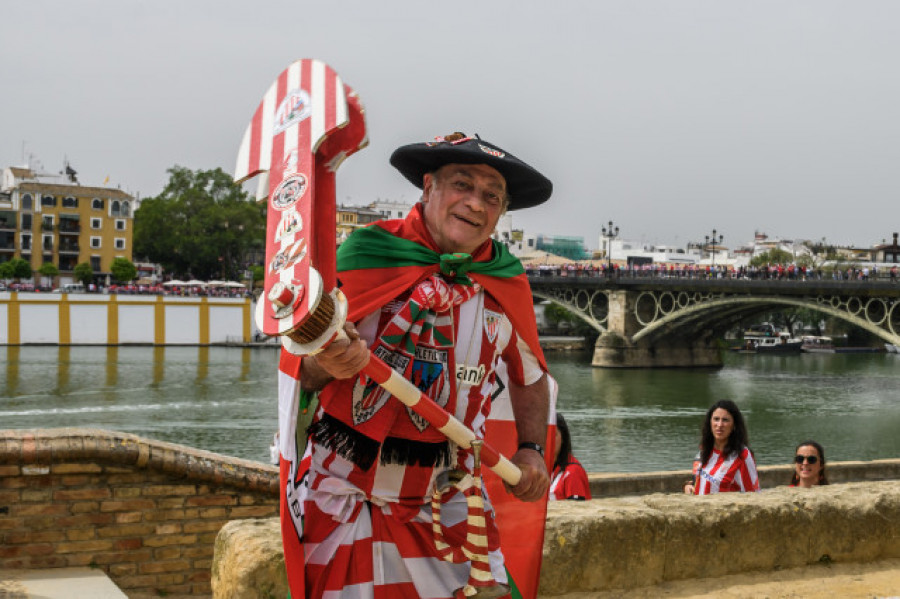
[721, 474]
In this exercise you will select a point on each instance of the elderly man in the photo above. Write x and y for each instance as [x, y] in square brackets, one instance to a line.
[437, 300]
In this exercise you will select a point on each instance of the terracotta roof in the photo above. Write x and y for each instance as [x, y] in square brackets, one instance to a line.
[75, 190]
[21, 173]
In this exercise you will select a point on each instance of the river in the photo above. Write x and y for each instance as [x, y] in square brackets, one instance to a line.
[222, 399]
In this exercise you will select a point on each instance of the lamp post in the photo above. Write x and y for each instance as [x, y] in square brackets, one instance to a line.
[609, 233]
[713, 240]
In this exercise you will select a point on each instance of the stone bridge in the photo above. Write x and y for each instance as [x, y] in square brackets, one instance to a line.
[652, 321]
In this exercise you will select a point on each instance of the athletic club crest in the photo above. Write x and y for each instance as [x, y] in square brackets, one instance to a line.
[293, 109]
[430, 375]
[492, 325]
[369, 398]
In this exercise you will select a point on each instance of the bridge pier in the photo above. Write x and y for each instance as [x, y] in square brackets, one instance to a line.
[613, 351]
[616, 349]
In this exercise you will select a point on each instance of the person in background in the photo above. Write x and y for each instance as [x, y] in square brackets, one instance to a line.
[809, 465]
[724, 462]
[568, 479]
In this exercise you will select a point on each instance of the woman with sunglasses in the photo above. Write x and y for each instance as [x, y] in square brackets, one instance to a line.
[724, 462]
[809, 465]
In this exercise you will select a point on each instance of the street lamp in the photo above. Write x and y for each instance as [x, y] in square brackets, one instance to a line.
[712, 240]
[610, 234]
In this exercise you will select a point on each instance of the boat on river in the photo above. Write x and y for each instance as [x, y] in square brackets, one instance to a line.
[782, 343]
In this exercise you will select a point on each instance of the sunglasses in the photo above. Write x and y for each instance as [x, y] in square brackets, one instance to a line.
[810, 459]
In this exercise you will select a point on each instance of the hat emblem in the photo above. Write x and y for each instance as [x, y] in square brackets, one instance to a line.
[491, 151]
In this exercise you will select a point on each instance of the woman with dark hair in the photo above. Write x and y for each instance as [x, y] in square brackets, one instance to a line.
[568, 479]
[724, 462]
[809, 465]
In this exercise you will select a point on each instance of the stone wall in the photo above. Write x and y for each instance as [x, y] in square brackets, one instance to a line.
[146, 512]
[631, 542]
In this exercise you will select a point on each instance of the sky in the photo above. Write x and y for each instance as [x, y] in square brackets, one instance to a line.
[669, 117]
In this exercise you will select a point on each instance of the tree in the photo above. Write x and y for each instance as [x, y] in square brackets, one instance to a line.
[773, 256]
[123, 270]
[258, 273]
[83, 273]
[201, 224]
[48, 269]
[17, 268]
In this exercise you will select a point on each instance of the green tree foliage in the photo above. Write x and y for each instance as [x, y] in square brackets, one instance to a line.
[123, 270]
[83, 273]
[17, 268]
[48, 269]
[258, 274]
[202, 225]
[773, 256]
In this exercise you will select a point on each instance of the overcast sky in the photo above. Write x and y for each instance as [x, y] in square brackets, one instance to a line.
[669, 117]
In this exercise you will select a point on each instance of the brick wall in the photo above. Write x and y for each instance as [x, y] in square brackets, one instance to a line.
[144, 511]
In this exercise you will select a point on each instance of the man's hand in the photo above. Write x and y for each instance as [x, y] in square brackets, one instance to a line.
[535, 480]
[342, 359]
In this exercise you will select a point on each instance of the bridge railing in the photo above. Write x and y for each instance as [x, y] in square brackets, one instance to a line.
[850, 275]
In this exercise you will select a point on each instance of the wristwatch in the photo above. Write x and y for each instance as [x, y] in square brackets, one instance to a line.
[529, 445]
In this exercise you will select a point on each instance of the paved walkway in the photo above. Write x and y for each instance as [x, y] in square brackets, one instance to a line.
[58, 583]
[876, 580]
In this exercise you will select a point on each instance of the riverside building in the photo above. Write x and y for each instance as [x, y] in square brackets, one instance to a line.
[53, 219]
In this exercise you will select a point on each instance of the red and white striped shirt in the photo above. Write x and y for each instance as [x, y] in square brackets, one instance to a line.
[721, 474]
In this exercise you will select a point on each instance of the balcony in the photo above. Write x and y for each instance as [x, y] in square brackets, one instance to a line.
[69, 227]
[69, 248]
[7, 221]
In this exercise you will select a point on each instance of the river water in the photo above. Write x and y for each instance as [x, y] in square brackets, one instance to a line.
[223, 400]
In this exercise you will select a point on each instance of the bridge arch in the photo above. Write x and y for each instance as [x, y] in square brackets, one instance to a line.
[875, 315]
[590, 305]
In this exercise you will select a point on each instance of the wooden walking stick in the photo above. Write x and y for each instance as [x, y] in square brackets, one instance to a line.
[305, 126]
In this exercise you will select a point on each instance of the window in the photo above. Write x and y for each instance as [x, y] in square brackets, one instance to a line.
[399, 215]
[26, 242]
[120, 243]
[95, 242]
[70, 202]
[26, 222]
[97, 204]
[47, 243]
[115, 208]
[27, 202]
[95, 264]
[48, 201]
[120, 224]
[126, 208]
[95, 223]
[47, 223]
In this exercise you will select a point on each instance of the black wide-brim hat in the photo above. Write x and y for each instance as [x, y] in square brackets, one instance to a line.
[524, 184]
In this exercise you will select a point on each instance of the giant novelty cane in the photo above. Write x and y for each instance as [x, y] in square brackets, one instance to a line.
[305, 126]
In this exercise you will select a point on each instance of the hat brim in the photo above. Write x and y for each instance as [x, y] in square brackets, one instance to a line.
[525, 185]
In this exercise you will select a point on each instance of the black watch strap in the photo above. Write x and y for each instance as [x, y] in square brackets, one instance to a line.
[529, 445]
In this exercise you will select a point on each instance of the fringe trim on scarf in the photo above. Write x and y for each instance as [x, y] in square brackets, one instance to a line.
[344, 440]
[354, 446]
[395, 450]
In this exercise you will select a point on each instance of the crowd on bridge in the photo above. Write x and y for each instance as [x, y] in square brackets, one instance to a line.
[774, 272]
